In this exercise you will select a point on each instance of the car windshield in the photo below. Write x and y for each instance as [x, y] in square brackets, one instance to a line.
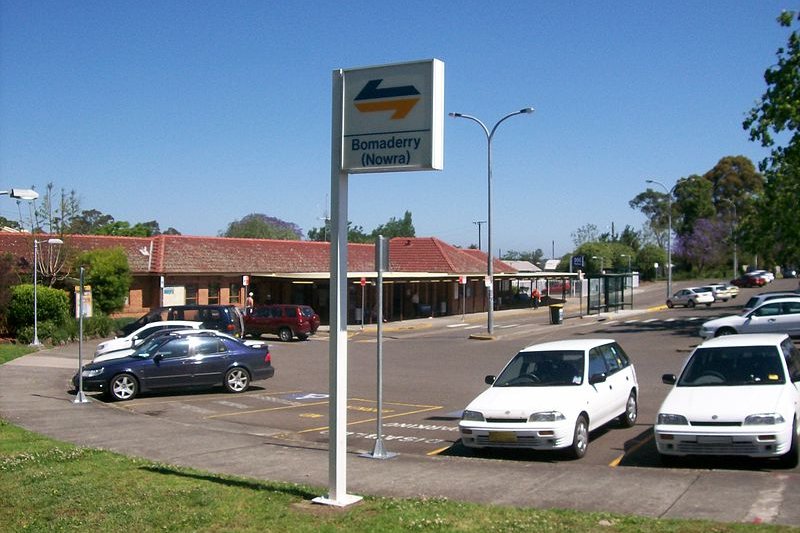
[734, 365]
[149, 346]
[543, 369]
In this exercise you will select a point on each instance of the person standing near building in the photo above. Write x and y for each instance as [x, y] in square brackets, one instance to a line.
[249, 303]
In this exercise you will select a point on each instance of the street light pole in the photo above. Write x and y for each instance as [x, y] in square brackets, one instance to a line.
[733, 238]
[490, 266]
[669, 233]
[35, 285]
[478, 223]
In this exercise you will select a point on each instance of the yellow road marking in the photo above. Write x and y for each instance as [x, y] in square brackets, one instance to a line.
[437, 452]
[618, 460]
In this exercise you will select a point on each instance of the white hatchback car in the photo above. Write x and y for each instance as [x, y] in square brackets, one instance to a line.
[735, 396]
[154, 339]
[551, 395]
[781, 315]
[691, 297]
[135, 338]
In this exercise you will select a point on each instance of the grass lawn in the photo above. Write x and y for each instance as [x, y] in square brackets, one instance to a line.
[46, 485]
[12, 351]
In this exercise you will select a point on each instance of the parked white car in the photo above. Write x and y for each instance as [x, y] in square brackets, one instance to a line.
[551, 395]
[135, 338]
[735, 396]
[762, 297]
[691, 296]
[780, 315]
[154, 339]
[721, 292]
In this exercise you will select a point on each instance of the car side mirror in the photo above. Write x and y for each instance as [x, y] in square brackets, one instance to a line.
[158, 357]
[668, 379]
[489, 380]
[597, 378]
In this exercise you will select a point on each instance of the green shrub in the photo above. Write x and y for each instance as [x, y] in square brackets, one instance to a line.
[52, 305]
[25, 335]
[98, 326]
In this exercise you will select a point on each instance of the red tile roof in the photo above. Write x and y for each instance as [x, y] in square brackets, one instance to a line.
[181, 254]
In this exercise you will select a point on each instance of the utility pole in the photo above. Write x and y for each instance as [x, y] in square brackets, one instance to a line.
[478, 223]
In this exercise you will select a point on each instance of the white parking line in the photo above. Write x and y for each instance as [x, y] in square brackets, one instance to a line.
[507, 326]
[462, 325]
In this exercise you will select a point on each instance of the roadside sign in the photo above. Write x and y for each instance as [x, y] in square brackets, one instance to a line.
[245, 280]
[462, 280]
[394, 118]
[578, 261]
[363, 282]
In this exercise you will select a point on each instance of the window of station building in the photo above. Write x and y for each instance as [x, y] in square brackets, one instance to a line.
[213, 293]
[191, 294]
[235, 289]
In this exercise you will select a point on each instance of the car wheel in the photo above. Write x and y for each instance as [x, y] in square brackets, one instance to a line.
[123, 387]
[690, 303]
[285, 334]
[628, 418]
[302, 336]
[791, 458]
[580, 439]
[670, 304]
[725, 331]
[708, 305]
[237, 379]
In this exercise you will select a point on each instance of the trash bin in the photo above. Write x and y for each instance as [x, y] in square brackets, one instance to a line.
[556, 313]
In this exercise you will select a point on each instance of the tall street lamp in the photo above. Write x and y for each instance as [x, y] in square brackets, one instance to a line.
[669, 233]
[490, 266]
[733, 237]
[35, 276]
[22, 194]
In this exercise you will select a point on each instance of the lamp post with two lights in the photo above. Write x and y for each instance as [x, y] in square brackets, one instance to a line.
[490, 266]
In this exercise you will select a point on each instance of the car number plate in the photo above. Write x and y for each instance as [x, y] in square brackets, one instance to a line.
[712, 439]
[502, 436]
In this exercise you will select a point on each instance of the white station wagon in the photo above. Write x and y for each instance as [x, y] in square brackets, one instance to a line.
[551, 395]
[736, 395]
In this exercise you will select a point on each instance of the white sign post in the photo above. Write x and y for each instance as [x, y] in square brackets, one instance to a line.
[384, 119]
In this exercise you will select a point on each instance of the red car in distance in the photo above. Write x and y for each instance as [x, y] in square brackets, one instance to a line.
[284, 320]
[749, 281]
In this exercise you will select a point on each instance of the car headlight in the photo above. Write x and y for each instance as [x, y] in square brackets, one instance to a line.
[92, 372]
[668, 419]
[764, 419]
[546, 416]
[473, 416]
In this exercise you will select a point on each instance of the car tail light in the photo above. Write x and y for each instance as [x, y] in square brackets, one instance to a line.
[268, 357]
[230, 327]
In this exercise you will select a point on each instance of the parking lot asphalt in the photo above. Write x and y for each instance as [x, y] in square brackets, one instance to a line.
[35, 394]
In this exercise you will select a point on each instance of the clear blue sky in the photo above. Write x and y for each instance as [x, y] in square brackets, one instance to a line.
[196, 113]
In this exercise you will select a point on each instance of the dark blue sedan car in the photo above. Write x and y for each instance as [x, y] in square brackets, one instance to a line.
[179, 360]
